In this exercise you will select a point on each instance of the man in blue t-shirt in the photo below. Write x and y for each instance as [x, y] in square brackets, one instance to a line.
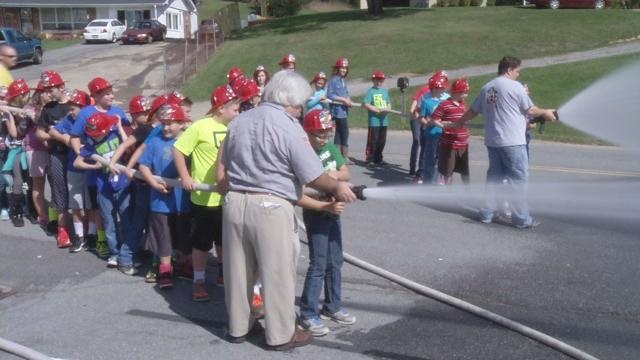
[429, 103]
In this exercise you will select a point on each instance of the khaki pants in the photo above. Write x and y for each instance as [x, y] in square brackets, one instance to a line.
[259, 232]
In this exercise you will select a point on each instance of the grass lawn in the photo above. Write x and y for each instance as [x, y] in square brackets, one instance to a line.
[409, 40]
[209, 7]
[56, 44]
[551, 87]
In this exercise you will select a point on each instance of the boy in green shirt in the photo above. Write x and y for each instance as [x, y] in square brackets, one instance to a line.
[377, 101]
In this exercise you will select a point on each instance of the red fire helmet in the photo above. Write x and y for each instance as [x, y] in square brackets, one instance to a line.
[17, 88]
[460, 86]
[287, 59]
[222, 95]
[378, 75]
[171, 112]
[248, 90]
[98, 84]
[50, 78]
[319, 76]
[79, 98]
[139, 104]
[99, 123]
[341, 62]
[317, 120]
[234, 73]
[441, 73]
[438, 82]
[156, 104]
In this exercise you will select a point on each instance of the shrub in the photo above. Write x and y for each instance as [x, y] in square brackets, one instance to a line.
[281, 8]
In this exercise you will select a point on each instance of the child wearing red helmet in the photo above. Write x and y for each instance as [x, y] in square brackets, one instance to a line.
[321, 214]
[288, 62]
[201, 142]
[439, 85]
[104, 133]
[454, 142]
[376, 101]
[169, 220]
[83, 208]
[318, 84]
[52, 112]
[337, 91]
[261, 77]
[15, 168]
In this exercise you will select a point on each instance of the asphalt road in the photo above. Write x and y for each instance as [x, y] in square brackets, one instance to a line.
[573, 277]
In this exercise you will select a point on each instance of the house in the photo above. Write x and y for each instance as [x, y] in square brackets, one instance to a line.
[69, 17]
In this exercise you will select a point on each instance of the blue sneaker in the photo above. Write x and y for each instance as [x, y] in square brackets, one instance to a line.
[341, 317]
[316, 327]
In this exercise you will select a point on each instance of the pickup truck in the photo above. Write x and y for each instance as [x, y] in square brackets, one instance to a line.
[28, 49]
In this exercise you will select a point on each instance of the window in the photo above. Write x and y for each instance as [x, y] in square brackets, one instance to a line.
[64, 18]
[20, 36]
[173, 22]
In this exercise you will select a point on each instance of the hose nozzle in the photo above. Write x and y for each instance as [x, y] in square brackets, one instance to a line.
[359, 191]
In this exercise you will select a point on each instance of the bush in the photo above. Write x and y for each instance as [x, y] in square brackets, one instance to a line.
[281, 8]
[443, 3]
[476, 3]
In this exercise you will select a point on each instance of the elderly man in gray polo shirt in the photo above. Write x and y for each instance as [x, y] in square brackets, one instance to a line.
[268, 158]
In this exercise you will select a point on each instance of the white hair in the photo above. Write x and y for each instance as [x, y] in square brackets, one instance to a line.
[287, 88]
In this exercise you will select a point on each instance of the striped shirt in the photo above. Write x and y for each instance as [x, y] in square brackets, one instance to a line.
[450, 110]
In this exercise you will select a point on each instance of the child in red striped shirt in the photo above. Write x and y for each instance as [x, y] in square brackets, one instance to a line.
[454, 143]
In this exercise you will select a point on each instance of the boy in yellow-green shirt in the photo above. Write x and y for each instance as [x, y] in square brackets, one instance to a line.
[201, 142]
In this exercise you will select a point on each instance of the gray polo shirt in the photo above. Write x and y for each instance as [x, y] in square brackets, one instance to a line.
[266, 150]
[503, 104]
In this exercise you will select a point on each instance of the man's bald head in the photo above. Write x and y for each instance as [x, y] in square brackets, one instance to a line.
[8, 55]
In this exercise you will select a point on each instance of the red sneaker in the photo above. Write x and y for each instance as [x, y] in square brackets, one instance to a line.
[164, 281]
[200, 291]
[257, 307]
[63, 238]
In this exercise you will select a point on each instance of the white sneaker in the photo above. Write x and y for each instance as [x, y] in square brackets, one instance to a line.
[316, 327]
[4, 215]
[112, 261]
[341, 317]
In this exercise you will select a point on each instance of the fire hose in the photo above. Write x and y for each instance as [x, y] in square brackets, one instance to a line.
[406, 283]
[355, 104]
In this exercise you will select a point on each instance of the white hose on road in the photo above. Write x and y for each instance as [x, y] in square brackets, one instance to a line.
[21, 351]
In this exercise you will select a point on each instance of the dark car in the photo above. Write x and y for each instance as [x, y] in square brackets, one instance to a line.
[144, 31]
[556, 4]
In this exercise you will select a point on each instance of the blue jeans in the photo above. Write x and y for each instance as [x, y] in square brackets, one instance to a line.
[114, 205]
[140, 200]
[417, 147]
[511, 163]
[430, 160]
[325, 264]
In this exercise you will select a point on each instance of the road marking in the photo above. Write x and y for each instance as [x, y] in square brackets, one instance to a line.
[560, 169]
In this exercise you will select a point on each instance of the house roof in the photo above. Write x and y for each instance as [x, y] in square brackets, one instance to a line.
[86, 3]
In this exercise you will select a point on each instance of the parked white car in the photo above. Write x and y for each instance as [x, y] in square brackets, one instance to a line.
[104, 30]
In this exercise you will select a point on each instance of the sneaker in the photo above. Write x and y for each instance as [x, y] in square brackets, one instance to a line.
[485, 221]
[63, 238]
[137, 263]
[316, 327]
[151, 277]
[126, 269]
[165, 281]
[77, 244]
[17, 220]
[184, 270]
[33, 219]
[4, 215]
[220, 281]
[534, 224]
[300, 337]
[341, 317]
[200, 291]
[92, 241]
[102, 249]
[417, 180]
[112, 262]
[51, 228]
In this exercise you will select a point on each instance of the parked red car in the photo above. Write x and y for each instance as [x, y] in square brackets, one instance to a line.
[144, 31]
[556, 4]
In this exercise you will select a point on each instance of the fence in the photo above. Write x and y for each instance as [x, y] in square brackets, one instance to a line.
[185, 58]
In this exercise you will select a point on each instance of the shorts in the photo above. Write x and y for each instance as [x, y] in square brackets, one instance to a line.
[93, 197]
[58, 181]
[207, 226]
[78, 190]
[342, 132]
[38, 163]
[168, 232]
[450, 161]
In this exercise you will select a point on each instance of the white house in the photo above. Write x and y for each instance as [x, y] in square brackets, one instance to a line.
[71, 16]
